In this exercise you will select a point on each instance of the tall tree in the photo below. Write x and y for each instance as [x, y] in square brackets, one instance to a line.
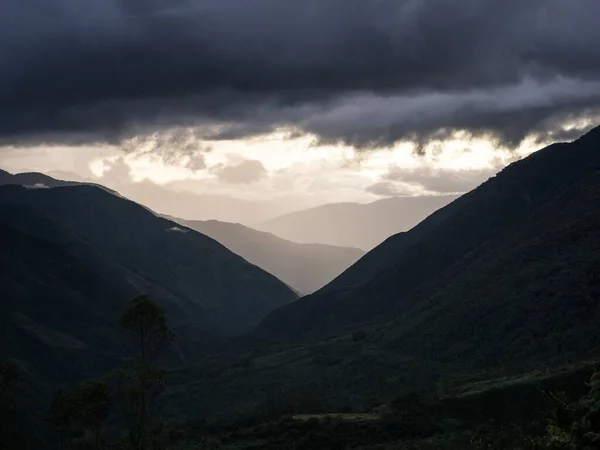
[93, 400]
[145, 322]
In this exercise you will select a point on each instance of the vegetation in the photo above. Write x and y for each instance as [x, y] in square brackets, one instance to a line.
[576, 425]
[78, 416]
[138, 388]
[122, 410]
[15, 421]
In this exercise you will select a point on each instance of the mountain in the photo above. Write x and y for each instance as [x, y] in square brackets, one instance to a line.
[530, 294]
[202, 285]
[41, 180]
[5, 176]
[60, 300]
[438, 243]
[304, 267]
[33, 179]
[354, 224]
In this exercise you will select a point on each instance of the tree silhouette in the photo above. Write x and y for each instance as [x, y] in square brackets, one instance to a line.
[139, 386]
[14, 420]
[85, 408]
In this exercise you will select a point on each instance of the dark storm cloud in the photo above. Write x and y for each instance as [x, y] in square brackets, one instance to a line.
[77, 71]
[509, 113]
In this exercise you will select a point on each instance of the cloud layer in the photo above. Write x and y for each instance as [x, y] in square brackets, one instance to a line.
[366, 73]
[246, 172]
[429, 181]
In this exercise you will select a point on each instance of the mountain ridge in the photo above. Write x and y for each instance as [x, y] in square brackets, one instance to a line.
[347, 224]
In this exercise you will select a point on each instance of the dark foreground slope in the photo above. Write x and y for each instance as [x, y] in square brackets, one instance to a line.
[531, 294]
[202, 285]
[441, 241]
[60, 302]
[304, 267]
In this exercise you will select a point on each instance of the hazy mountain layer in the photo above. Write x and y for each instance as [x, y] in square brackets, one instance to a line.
[304, 267]
[354, 224]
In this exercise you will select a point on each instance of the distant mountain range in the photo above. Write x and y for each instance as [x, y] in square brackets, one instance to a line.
[304, 267]
[354, 224]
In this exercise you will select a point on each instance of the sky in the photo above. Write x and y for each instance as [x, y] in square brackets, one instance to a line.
[245, 109]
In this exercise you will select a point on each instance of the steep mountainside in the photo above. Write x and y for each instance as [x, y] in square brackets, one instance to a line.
[304, 267]
[202, 285]
[441, 241]
[383, 255]
[5, 177]
[354, 224]
[531, 294]
[60, 300]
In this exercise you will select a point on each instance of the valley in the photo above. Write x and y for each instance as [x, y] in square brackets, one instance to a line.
[475, 328]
